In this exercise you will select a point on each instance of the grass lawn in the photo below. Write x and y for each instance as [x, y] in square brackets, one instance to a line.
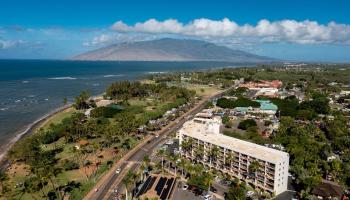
[58, 117]
[203, 90]
[147, 81]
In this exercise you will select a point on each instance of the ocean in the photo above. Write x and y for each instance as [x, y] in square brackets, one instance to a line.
[30, 89]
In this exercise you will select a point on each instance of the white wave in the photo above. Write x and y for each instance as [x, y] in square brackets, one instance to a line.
[113, 75]
[3, 109]
[155, 72]
[46, 99]
[31, 96]
[25, 81]
[63, 78]
[17, 101]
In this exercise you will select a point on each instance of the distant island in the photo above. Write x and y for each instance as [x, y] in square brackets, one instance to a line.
[167, 49]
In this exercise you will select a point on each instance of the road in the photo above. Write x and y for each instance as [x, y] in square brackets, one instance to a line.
[134, 161]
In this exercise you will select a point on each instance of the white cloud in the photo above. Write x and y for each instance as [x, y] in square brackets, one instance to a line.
[302, 32]
[97, 40]
[6, 44]
[112, 38]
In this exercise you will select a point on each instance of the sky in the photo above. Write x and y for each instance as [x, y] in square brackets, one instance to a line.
[300, 30]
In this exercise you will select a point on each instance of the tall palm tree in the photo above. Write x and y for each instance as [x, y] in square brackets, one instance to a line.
[162, 154]
[182, 165]
[229, 159]
[199, 152]
[128, 179]
[187, 146]
[253, 167]
[209, 178]
[213, 155]
[174, 158]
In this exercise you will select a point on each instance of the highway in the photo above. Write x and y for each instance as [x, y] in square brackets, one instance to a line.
[106, 191]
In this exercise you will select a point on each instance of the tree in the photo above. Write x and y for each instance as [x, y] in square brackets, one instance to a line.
[199, 153]
[3, 178]
[225, 119]
[174, 159]
[246, 124]
[128, 179]
[240, 102]
[161, 153]
[209, 104]
[236, 193]
[214, 153]
[186, 145]
[229, 159]
[254, 167]
[81, 101]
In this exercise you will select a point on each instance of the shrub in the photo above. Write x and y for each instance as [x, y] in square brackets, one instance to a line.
[50, 137]
[240, 102]
[107, 112]
[70, 165]
[245, 124]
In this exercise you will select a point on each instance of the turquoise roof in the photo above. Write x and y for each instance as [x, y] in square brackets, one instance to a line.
[267, 105]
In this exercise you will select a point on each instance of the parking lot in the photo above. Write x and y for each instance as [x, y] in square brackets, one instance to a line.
[180, 194]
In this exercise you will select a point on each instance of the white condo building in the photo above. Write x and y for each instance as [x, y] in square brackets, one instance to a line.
[262, 167]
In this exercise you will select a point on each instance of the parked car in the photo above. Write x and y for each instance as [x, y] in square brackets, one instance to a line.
[184, 187]
[118, 171]
[213, 189]
[197, 192]
[208, 197]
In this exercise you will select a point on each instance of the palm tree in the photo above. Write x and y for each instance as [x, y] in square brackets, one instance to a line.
[162, 154]
[128, 179]
[146, 160]
[253, 167]
[198, 153]
[214, 153]
[187, 146]
[229, 159]
[182, 165]
[209, 178]
[174, 159]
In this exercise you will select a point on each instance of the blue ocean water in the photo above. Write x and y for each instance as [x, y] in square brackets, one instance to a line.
[31, 88]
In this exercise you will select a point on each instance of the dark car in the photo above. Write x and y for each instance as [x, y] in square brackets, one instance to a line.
[197, 192]
[191, 187]
[213, 189]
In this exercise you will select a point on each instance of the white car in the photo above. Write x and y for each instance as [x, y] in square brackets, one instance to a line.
[250, 193]
[169, 142]
[208, 197]
[157, 136]
[118, 171]
[184, 187]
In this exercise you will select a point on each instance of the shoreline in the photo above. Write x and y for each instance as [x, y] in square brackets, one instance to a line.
[28, 130]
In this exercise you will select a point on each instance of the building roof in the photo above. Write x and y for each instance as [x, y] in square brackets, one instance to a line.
[328, 189]
[241, 109]
[267, 105]
[202, 132]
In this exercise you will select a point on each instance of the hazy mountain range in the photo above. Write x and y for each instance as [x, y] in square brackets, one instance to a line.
[170, 50]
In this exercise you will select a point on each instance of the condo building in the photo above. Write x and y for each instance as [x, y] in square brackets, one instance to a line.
[262, 167]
